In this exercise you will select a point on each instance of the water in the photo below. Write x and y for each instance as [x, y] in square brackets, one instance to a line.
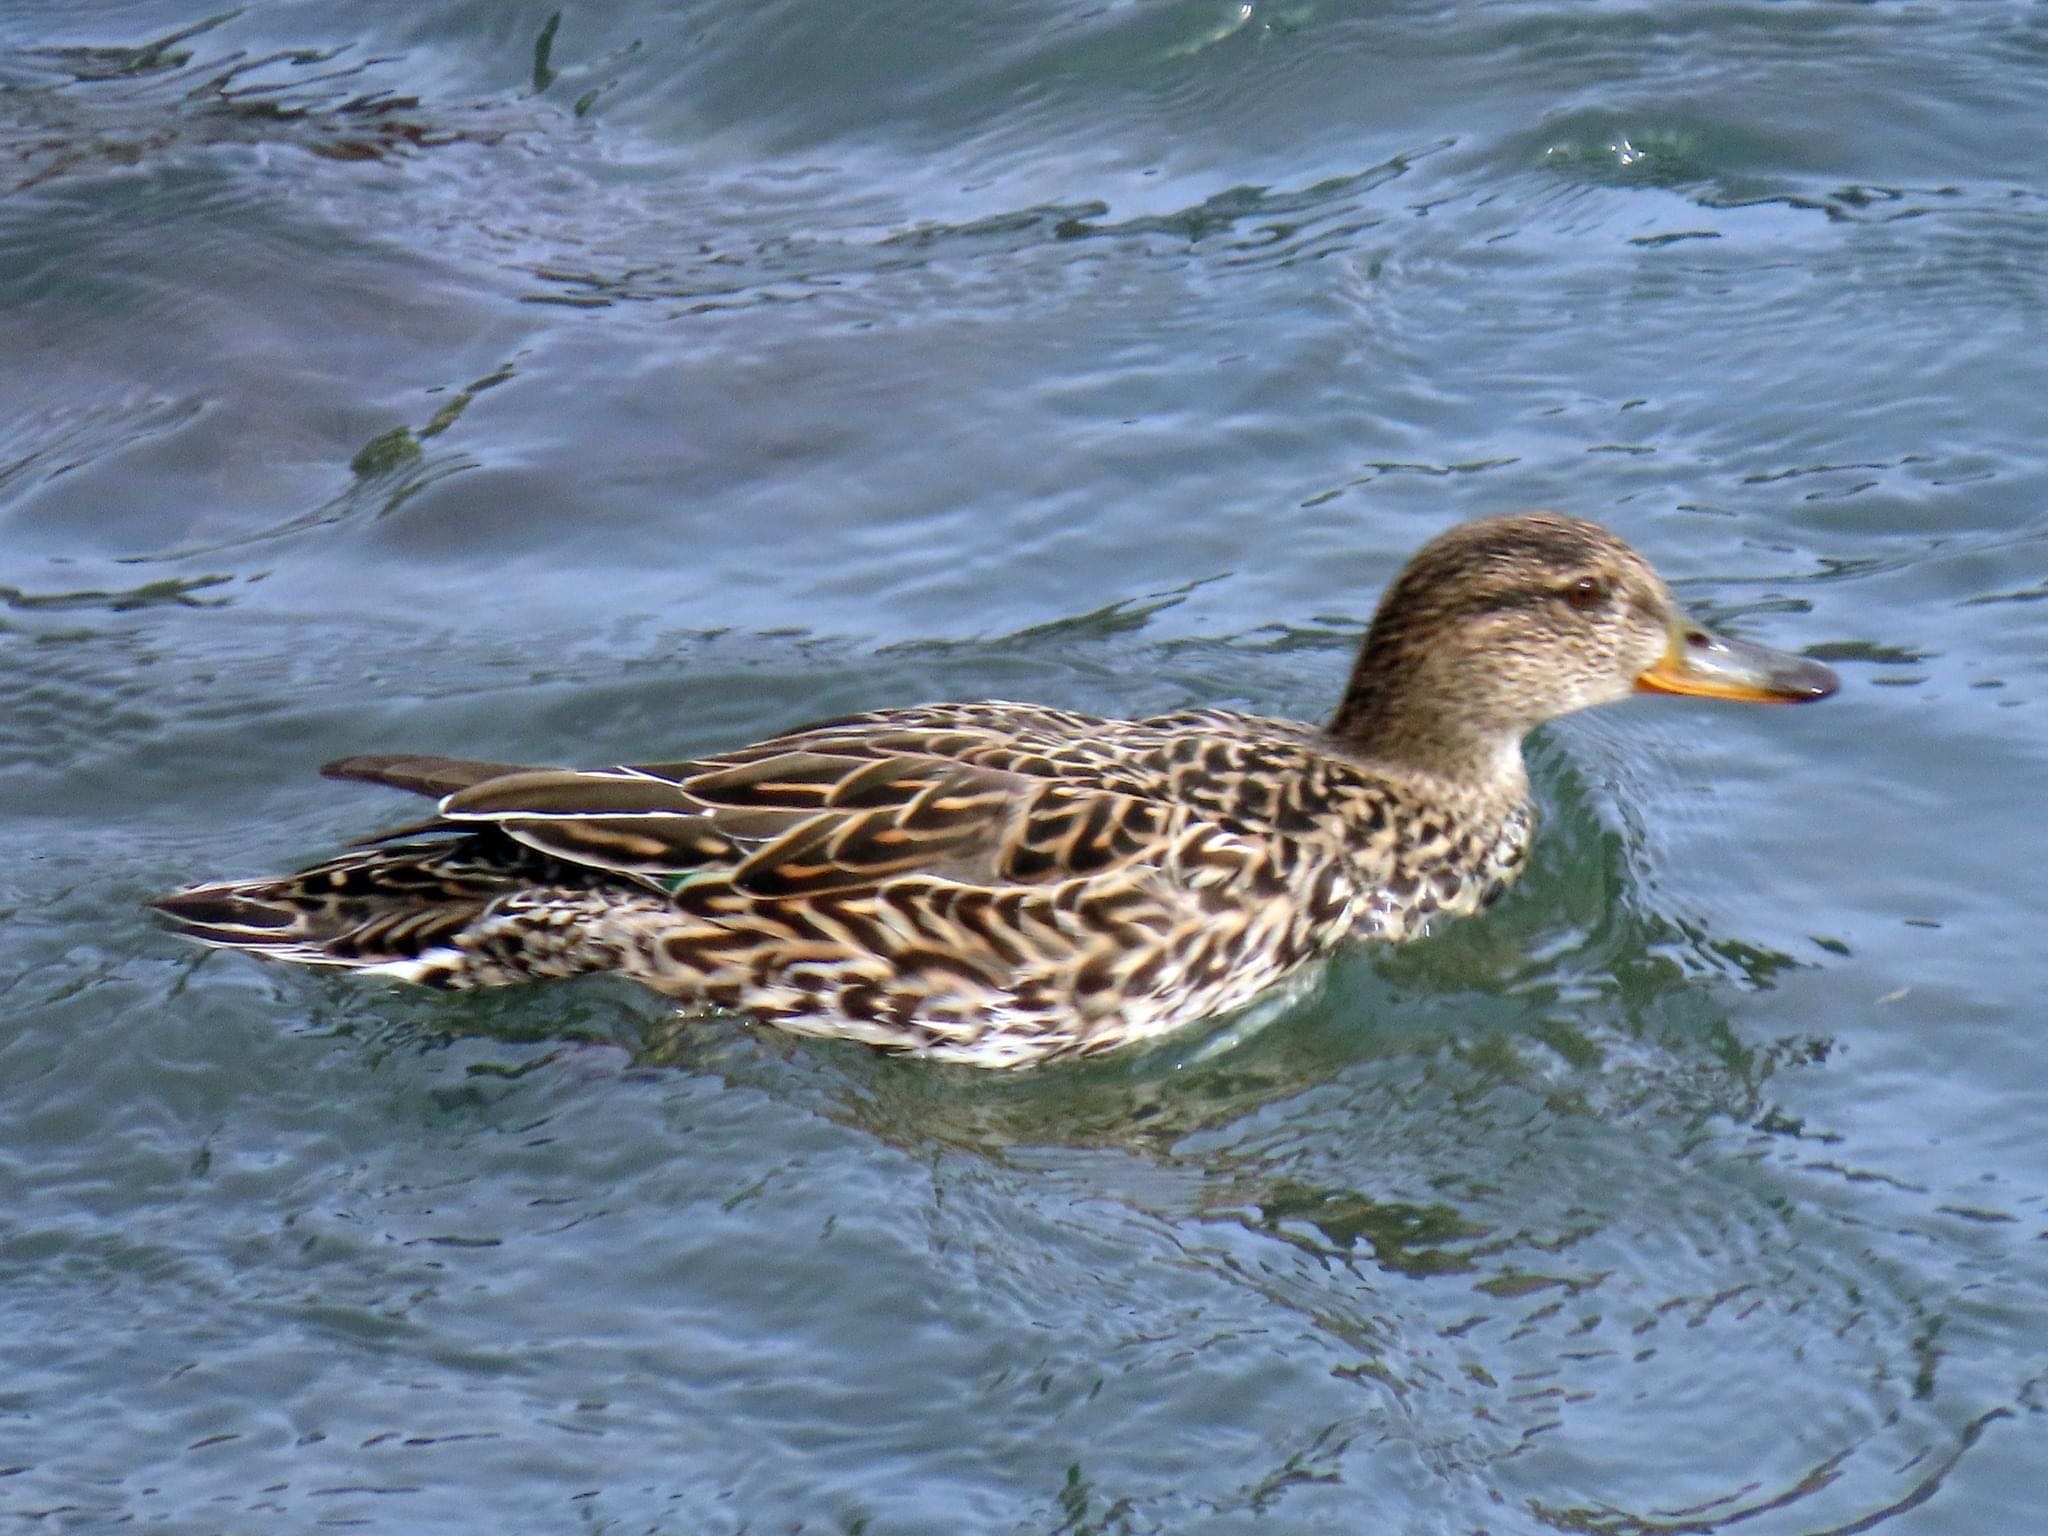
[456, 378]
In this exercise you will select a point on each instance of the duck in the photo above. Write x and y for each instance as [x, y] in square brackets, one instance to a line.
[1004, 884]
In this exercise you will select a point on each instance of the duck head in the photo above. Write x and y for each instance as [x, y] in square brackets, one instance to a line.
[1498, 625]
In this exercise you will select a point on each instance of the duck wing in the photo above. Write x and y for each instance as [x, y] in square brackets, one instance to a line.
[988, 795]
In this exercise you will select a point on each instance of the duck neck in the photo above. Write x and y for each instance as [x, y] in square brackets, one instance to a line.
[1399, 716]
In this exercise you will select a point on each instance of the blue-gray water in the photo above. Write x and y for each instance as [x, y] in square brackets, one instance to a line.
[454, 377]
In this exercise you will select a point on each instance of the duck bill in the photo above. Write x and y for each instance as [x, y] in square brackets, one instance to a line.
[1712, 666]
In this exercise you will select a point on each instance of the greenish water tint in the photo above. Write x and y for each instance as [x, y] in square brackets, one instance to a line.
[577, 385]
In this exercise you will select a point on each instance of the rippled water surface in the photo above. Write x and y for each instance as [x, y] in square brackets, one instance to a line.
[625, 382]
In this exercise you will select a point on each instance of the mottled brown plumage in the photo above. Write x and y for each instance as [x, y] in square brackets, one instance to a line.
[999, 883]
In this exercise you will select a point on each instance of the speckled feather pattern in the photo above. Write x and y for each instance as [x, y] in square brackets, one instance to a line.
[1002, 884]
[992, 883]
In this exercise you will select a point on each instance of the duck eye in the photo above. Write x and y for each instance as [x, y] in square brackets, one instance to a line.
[1587, 593]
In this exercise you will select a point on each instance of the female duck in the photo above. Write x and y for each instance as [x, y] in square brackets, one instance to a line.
[1000, 884]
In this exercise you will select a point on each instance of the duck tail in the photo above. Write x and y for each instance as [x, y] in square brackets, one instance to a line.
[401, 910]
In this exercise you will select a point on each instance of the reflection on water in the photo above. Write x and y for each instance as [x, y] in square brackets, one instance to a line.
[92, 109]
[1403, 1126]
